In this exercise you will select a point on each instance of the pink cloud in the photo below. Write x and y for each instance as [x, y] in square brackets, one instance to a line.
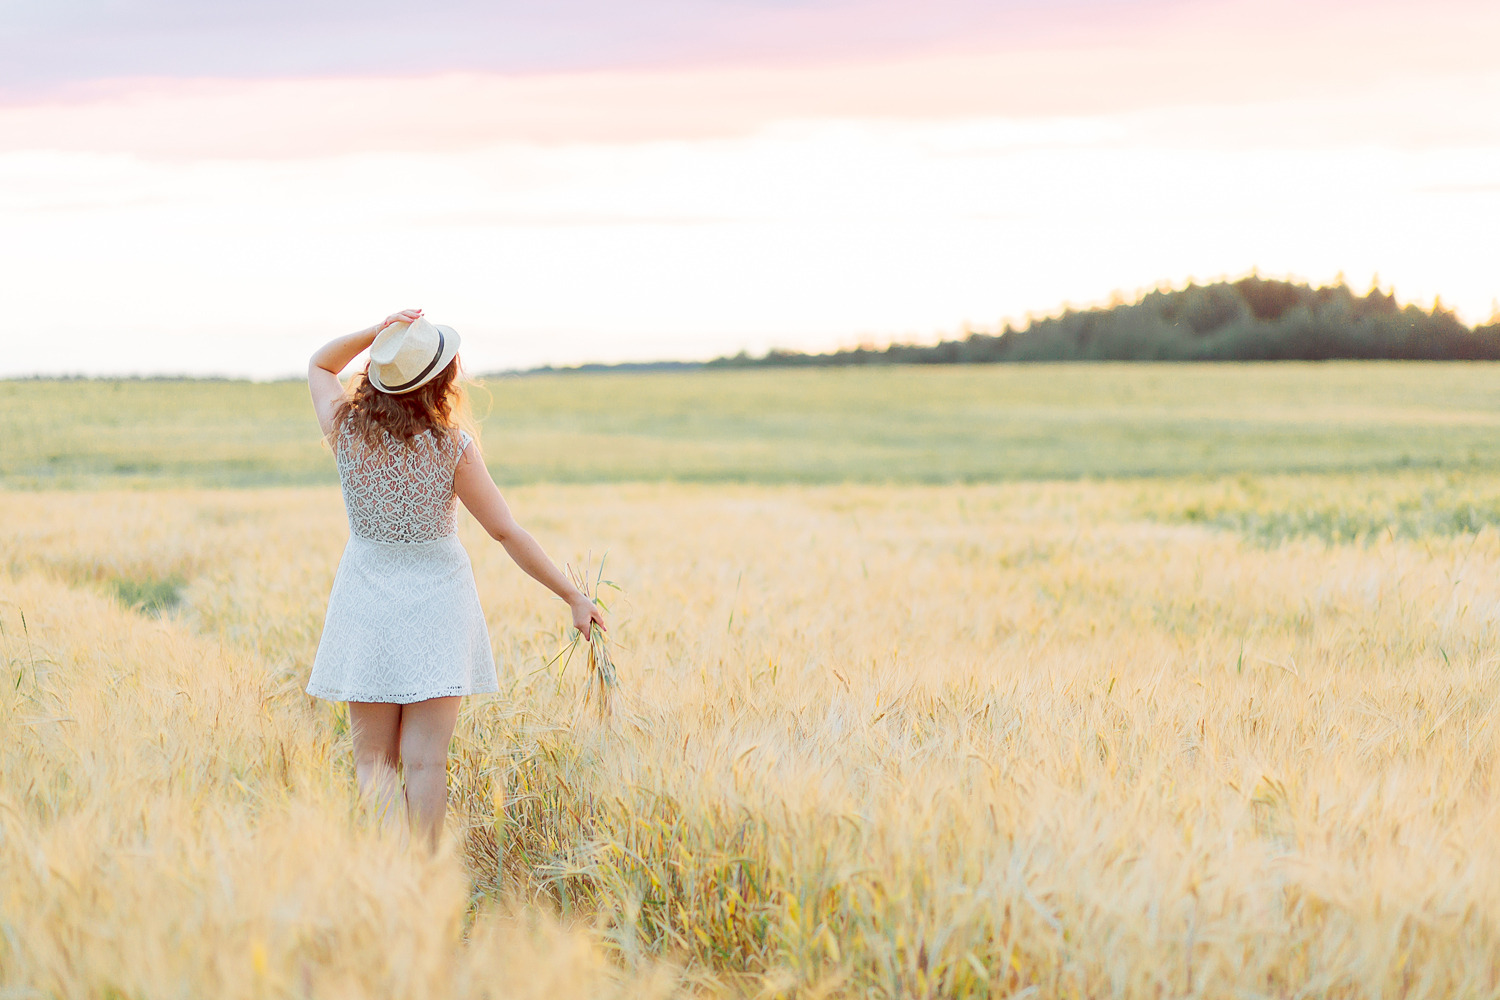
[1161, 55]
[61, 42]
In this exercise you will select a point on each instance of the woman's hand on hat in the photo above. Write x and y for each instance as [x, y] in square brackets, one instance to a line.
[404, 316]
[585, 613]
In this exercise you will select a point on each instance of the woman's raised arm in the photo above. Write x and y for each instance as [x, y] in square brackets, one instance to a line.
[333, 357]
[472, 483]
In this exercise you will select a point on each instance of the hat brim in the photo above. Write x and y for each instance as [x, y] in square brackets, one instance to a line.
[444, 359]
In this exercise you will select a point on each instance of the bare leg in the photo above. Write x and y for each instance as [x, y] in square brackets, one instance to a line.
[377, 746]
[426, 731]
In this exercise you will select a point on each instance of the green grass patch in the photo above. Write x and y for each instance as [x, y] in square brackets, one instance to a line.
[1337, 509]
[149, 595]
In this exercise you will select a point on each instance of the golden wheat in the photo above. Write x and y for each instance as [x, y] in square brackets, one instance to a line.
[885, 742]
[599, 689]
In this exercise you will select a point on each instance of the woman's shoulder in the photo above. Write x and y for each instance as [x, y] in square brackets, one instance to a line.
[454, 440]
[351, 442]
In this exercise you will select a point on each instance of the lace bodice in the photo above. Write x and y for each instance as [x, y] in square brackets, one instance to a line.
[403, 493]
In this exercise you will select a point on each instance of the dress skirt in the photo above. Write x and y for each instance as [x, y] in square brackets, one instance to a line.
[403, 625]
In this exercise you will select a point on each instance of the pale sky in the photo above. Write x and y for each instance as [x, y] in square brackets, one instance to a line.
[218, 188]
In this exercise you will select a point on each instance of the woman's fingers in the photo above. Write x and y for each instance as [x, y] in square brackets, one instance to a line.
[404, 316]
[585, 626]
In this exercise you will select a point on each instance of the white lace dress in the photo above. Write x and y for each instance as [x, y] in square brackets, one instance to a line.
[404, 622]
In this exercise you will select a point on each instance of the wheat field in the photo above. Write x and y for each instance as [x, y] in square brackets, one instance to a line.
[1222, 737]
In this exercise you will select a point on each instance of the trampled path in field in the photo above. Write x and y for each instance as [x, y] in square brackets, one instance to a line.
[1156, 737]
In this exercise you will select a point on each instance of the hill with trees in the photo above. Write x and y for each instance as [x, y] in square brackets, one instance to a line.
[1252, 319]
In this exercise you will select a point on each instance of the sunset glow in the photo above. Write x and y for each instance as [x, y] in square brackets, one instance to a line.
[715, 191]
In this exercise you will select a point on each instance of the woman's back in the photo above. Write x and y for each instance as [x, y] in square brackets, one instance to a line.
[400, 491]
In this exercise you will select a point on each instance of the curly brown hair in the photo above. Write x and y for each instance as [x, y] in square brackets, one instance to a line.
[440, 407]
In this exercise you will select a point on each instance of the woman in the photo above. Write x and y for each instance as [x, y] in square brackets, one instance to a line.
[404, 638]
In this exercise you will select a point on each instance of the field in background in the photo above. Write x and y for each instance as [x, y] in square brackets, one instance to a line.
[1202, 735]
[902, 425]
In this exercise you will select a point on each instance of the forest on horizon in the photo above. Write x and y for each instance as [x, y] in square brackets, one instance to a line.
[1251, 319]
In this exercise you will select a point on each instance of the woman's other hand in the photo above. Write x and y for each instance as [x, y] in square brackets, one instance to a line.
[585, 613]
[333, 357]
[404, 316]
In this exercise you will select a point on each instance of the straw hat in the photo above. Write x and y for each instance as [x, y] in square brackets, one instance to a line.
[406, 356]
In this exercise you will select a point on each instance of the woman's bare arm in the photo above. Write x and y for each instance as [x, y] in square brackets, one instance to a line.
[472, 483]
[333, 357]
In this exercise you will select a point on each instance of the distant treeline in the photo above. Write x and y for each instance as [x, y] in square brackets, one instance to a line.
[1253, 319]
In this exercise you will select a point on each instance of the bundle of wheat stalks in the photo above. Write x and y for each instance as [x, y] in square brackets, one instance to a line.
[599, 686]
